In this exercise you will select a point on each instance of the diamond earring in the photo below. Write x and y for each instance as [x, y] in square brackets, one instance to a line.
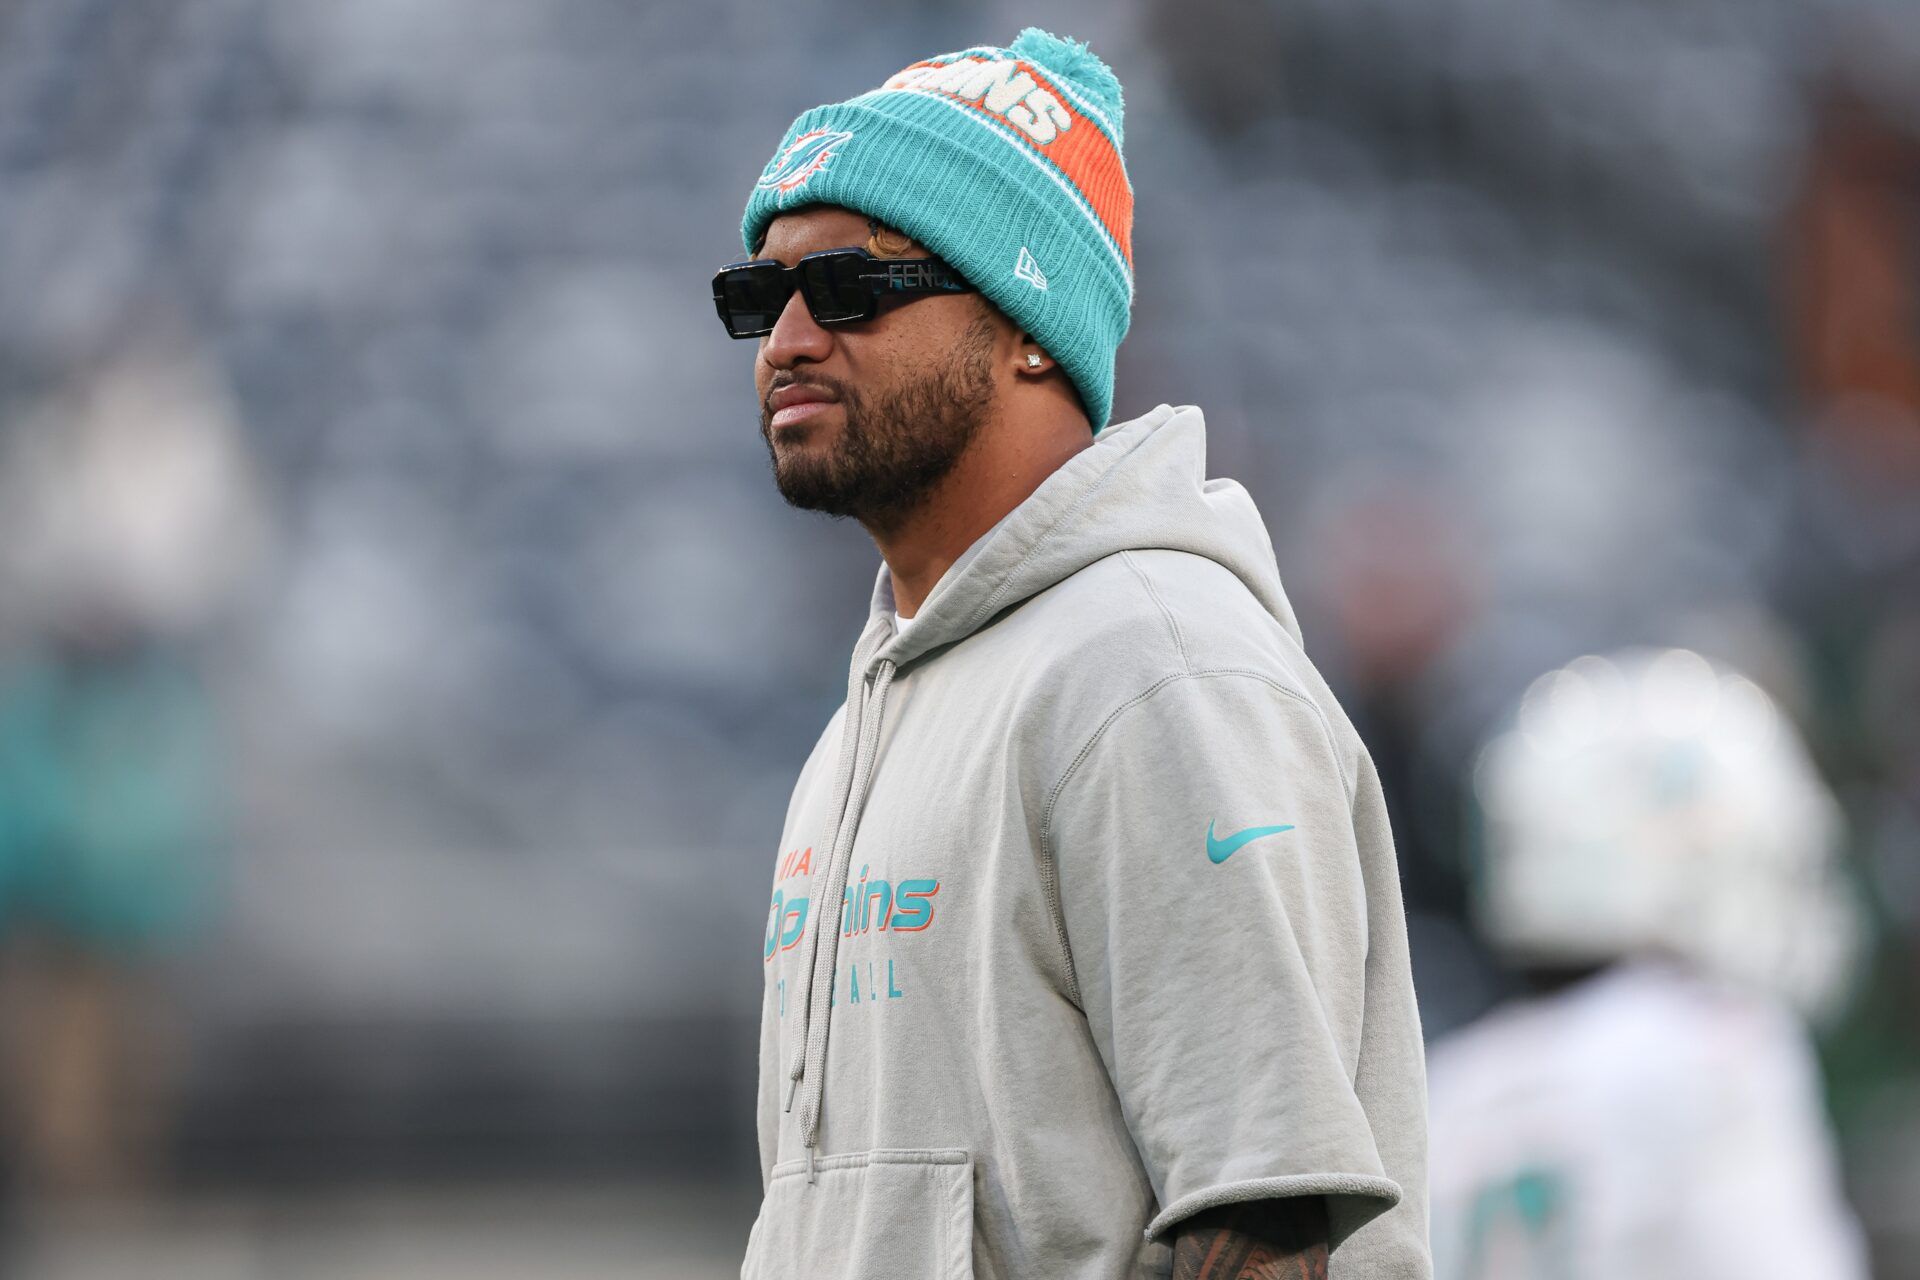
[1033, 361]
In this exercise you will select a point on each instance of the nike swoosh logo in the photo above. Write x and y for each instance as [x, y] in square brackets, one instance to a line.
[1219, 851]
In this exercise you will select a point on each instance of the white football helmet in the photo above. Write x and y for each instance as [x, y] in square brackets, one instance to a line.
[1650, 802]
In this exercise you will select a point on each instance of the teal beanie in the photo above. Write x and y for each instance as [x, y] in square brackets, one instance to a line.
[1006, 164]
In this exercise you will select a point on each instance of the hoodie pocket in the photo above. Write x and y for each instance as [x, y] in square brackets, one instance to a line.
[877, 1215]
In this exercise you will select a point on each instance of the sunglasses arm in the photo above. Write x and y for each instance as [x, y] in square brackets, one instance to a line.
[916, 275]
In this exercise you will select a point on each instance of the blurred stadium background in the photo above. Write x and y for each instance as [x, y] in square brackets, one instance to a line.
[385, 530]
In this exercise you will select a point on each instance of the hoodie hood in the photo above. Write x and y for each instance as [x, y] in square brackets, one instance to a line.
[1140, 485]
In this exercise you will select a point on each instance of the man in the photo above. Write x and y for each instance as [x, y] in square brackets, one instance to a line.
[1085, 954]
[1660, 860]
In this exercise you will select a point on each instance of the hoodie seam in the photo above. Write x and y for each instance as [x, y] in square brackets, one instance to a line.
[1179, 642]
[1050, 865]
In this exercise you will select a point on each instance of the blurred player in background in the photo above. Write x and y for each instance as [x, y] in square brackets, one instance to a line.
[127, 515]
[1660, 861]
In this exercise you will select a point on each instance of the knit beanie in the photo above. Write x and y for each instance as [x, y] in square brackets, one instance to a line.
[1004, 163]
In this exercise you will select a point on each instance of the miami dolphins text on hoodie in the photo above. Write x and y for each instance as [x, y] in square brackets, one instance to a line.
[1085, 916]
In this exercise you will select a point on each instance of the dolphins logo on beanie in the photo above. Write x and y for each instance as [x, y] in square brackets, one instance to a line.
[1006, 164]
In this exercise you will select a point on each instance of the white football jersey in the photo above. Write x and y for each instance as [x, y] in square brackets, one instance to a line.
[1644, 1122]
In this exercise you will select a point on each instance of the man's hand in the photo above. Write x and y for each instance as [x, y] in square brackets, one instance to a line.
[1255, 1240]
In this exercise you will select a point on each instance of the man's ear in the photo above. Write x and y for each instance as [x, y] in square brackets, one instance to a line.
[1032, 357]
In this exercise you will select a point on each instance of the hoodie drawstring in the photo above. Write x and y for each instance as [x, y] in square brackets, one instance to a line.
[859, 747]
[842, 783]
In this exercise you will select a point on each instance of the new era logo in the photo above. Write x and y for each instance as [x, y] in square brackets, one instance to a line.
[1029, 270]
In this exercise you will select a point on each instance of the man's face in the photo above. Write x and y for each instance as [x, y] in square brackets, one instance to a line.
[896, 399]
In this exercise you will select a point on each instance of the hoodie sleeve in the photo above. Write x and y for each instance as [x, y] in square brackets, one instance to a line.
[1214, 910]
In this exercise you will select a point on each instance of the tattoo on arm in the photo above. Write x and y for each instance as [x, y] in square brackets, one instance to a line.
[1255, 1240]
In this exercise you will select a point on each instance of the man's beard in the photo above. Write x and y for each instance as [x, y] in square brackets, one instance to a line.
[894, 447]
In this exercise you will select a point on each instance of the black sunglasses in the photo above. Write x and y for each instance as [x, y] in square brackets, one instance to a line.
[840, 286]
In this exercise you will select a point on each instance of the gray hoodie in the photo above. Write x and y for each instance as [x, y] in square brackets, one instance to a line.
[1115, 930]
